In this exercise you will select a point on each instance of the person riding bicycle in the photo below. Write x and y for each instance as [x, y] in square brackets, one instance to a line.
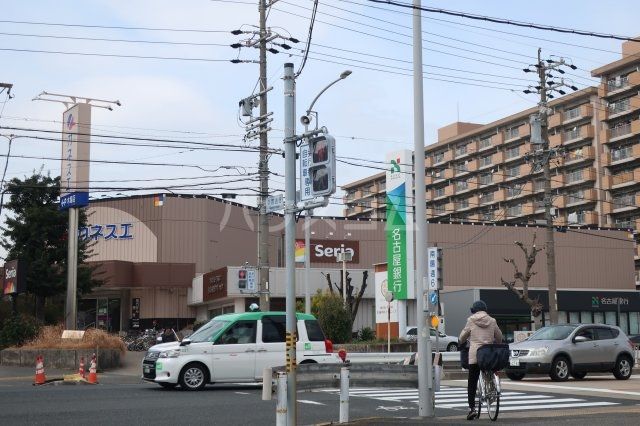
[481, 329]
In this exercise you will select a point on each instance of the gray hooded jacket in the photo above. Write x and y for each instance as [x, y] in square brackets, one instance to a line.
[480, 330]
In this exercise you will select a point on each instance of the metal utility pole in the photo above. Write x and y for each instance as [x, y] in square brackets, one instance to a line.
[263, 168]
[544, 155]
[307, 258]
[290, 235]
[425, 367]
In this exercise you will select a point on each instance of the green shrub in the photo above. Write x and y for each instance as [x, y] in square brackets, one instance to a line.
[366, 334]
[17, 330]
[334, 319]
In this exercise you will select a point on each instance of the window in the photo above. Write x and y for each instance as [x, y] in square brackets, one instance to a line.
[513, 152]
[514, 211]
[485, 161]
[588, 332]
[634, 322]
[486, 197]
[620, 106]
[438, 157]
[242, 332]
[622, 153]
[605, 333]
[598, 317]
[571, 134]
[620, 128]
[585, 317]
[486, 216]
[485, 143]
[463, 204]
[314, 332]
[461, 185]
[461, 150]
[538, 185]
[513, 171]
[440, 209]
[574, 176]
[575, 197]
[514, 191]
[617, 82]
[572, 113]
[208, 332]
[610, 318]
[439, 192]
[485, 179]
[274, 329]
[438, 174]
[382, 185]
[512, 133]
[624, 200]
[574, 317]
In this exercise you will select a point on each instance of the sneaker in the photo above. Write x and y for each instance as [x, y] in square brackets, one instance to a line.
[472, 414]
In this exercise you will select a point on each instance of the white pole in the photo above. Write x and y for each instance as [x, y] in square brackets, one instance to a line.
[344, 279]
[344, 395]
[388, 328]
[281, 402]
[307, 260]
[267, 375]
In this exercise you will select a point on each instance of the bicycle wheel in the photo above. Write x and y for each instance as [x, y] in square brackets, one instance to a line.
[492, 396]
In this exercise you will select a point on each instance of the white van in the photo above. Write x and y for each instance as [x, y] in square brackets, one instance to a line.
[234, 348]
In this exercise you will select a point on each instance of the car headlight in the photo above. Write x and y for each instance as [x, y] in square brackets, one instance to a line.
[539, 351]
[173, 353]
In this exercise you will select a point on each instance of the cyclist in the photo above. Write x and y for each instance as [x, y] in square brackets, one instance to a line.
[481, 329]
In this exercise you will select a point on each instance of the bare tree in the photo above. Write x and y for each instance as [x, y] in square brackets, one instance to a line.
[524, 278]
[353, 300]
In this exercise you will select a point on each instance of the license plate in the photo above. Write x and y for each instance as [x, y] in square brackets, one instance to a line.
[146, 369]
[514, 362]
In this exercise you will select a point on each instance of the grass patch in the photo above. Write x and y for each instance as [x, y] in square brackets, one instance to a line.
[50, 337]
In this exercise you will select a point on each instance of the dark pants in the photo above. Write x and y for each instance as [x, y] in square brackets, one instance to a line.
[472, 384]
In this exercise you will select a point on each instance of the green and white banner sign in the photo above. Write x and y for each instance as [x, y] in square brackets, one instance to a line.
[399, 230]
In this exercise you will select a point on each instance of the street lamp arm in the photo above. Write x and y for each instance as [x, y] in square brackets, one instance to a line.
[344, 75]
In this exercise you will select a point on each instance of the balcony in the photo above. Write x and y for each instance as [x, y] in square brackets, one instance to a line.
[589, 218]
[557, 181]
[528, 208]
[585, 153]
[465, 150]
[498, 157]
[578, 134]
[622, 108]
[623, 155]
[621, 132]
[560, 202]
[449, 190]
[500, 195]
[584, 197]
[610, 88]
[627, 202]
[485, 143]
[627, 178]
[438, 194]
[448, 155]
[554, 120]
[580, 175]
[555, 140]
[486, 198]
[514, 153]
[516, 133]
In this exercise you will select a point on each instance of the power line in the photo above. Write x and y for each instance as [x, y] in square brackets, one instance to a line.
[57, 24]
[508, 21]
[313, 19]
[113, 40]
[112, 55]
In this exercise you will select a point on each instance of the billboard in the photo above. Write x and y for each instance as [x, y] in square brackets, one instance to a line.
[74, 176]
[14, 278]
[399, 229]
[326, 251]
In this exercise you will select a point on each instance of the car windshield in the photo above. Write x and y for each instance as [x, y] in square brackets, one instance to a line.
[555, 332]
[207, 332]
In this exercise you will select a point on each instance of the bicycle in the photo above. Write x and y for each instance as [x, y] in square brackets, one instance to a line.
[488, 393]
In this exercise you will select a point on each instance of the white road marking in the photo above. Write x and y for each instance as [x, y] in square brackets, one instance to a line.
[576, 405]
[306, 401]
[573, 388]
[243, 393]
[546, 401]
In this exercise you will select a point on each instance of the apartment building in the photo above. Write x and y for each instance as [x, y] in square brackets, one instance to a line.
[483, 173]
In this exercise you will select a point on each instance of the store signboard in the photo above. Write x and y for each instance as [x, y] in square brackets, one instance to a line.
[382, 306]
[74, 175]
[214, 284]
[14, 277]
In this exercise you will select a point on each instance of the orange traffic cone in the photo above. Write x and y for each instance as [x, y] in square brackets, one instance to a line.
[40, 377]
[93, 376]
[81, 369]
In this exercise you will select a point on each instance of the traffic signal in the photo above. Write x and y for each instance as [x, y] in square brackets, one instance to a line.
[323, 165]
[242, 279]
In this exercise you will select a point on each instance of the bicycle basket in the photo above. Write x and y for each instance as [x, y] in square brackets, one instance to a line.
[464, 356]
[493, 357]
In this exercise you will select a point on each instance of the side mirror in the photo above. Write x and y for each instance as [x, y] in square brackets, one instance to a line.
[579, 339]
[185, 342]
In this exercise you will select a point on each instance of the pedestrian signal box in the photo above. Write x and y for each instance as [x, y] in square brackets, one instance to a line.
[323, 165]
[242, 279]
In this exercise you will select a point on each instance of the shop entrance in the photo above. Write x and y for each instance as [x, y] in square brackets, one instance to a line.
[102, 312]
[510, 323]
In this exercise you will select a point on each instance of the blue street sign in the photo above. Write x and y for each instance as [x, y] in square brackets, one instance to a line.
[433, 298]
[74, 199]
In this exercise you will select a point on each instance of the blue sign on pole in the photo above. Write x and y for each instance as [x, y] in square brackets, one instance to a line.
[433, 298]
[74, 199]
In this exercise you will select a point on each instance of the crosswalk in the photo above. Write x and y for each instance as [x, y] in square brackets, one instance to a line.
[456, 398]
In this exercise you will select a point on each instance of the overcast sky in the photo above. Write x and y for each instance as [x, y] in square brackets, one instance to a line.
[370, 113]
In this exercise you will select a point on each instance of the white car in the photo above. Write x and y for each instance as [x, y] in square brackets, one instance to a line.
[445, 343]
[234, 348]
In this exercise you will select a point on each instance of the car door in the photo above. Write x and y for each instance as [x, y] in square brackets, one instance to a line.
[271, 343]
[234, 352]
[583, 354]
[608, 347]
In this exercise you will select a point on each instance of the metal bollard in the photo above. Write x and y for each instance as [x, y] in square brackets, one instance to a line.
[281, 402]
[344, 395]
[267, 384]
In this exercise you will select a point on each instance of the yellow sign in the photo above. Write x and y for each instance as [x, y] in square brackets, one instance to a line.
[435, 321]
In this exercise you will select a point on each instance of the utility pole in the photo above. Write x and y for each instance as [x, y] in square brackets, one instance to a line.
[544, 155]
[425, 381]
[263, 169]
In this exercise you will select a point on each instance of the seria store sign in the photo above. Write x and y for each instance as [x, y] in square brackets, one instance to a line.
[327, 251]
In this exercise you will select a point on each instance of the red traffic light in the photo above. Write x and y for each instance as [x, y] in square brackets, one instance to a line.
[242, 274]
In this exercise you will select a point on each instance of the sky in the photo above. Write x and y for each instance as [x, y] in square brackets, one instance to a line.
[473, 74]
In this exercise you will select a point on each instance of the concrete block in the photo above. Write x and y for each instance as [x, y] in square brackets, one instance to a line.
[10, 357]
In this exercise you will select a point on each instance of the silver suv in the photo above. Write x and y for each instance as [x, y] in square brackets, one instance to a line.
[572, 349]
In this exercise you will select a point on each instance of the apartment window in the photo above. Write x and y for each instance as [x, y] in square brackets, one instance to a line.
[438, 157]
[438, 174]
[486, 216]
[620, 128]
[485, 143]
[514, 190]
[512, 133]
[461, 150]
[485, 179]
[624, 200]
[514, 211]
[627, 223]
[461, 185]
[513, 152]
[463, 204]
[485, 161]
[617, 82]
[538, 185]
[367, 190]
[486, 197]
[461, 167]
[619, 106]
[513, 171]
[351, 193]
[572, 113]
[574, 176]
[440, 209]
[439, 192]
[366, 204]
[575, 197]
[382, 185]
[572, 134]
[621, 153]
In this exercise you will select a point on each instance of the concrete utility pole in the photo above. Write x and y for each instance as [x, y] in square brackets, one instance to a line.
[290, 206]
[425, 381]
[263, 169]
[544, 155]
[548, 198]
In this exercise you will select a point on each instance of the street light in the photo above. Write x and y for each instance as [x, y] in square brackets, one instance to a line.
[305, 120]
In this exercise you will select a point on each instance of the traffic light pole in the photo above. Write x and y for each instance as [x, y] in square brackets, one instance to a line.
[290, 208]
